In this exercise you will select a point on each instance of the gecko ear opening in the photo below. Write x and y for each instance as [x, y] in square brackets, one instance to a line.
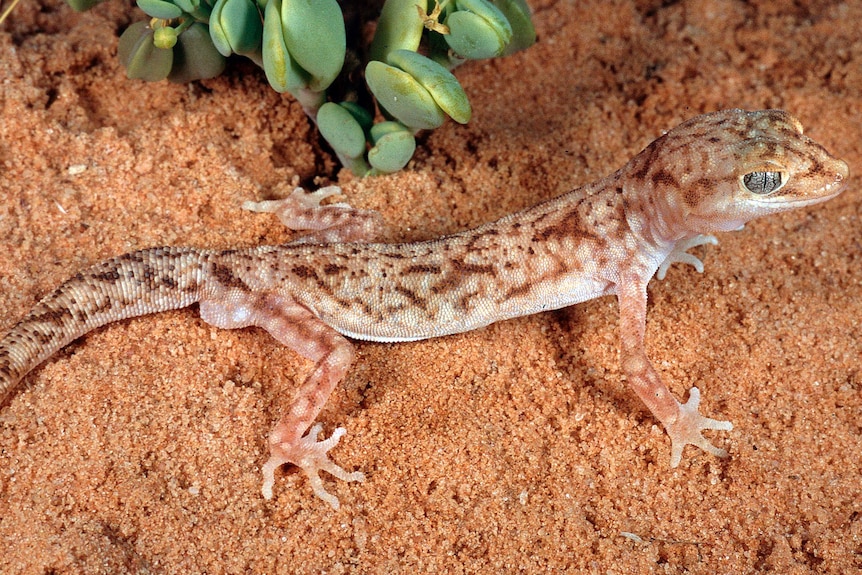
[763, 183]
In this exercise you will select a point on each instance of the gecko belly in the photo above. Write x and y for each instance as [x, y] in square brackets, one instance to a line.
[439, 316]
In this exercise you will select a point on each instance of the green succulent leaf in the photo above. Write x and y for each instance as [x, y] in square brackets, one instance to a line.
[199, 9]
[83, 5]
[518, 14]
[392, 152]
[235, 27]
[403, 96]
[394, 145]
[276, 59]
[360, 114]
[195, 57]
[489, 12]
[440, 52]
[139, 55]
[478, 30]
[338, 126]
[282, 73]
[159, 9]
[437, 80]
[389, 127]
[399, 27]
[315, 37]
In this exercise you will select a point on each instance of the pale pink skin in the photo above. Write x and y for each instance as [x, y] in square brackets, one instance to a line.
[710, 174]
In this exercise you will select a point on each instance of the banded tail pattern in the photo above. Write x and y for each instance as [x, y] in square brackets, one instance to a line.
[130, 285]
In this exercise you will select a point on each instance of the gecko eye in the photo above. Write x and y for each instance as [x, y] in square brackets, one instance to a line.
[762, 183]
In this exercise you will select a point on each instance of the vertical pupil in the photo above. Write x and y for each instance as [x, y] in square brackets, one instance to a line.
[762, 182]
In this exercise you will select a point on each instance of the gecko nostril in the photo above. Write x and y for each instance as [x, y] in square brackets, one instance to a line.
[843, 170]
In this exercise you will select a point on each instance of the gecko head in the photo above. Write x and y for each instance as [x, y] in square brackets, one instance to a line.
[736, 166]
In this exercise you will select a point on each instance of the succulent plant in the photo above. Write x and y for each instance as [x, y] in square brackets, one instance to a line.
[303, 49]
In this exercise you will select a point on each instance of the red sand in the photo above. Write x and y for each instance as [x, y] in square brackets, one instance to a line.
[516, 448]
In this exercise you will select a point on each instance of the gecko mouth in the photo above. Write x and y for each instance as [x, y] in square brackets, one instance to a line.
[827, 192]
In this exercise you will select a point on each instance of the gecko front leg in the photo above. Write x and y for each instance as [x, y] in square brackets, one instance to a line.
[682, 421]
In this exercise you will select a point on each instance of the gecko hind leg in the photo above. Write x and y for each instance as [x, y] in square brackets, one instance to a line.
[332, 355]
[338, 222]
[680, 254]
[295, 327]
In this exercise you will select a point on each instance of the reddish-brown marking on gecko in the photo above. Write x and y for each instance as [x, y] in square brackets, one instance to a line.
[712, 173]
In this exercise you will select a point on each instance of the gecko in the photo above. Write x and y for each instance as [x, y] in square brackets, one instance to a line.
[712, 173]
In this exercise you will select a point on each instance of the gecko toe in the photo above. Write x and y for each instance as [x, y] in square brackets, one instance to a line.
[680, 254]
[310, 455]
[686, 430]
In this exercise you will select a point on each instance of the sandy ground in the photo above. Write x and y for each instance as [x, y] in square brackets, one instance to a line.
[516, 448]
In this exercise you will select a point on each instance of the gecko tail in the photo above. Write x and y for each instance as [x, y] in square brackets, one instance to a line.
[130, 285]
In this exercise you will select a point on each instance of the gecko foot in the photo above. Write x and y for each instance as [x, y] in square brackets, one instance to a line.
[309, 455]
[336, 222]
[298, 199]
[680, 254]
[687, 427]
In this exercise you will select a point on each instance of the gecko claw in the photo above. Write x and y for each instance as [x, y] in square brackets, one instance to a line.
[688, 426]
[310, 455]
